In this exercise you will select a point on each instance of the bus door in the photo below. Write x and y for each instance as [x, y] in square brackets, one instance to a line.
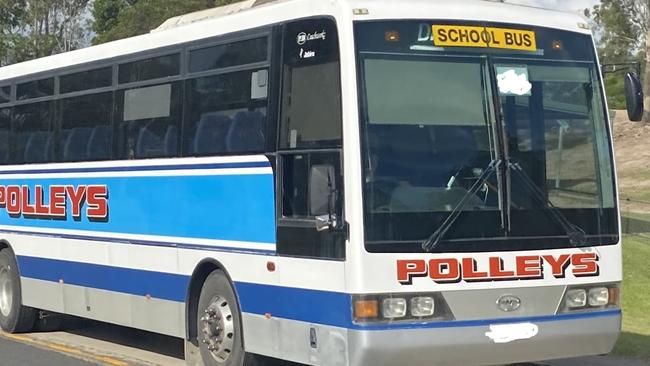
[309, 166]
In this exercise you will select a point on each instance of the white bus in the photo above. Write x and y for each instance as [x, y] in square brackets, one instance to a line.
[332, 182]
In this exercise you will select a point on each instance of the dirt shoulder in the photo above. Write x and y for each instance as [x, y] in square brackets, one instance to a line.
[632, 146]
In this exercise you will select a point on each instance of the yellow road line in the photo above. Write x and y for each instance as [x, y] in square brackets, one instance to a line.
[65, 349]
[111, 361]
[17, 338]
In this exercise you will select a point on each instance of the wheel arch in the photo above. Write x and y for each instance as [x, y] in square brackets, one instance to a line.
[5, 245]
[200, 274]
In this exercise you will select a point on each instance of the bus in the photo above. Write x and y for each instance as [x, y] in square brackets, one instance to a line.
[331, 182]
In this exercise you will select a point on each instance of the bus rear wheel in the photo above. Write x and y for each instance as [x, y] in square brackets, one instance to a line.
[14, 317]
[219, 324]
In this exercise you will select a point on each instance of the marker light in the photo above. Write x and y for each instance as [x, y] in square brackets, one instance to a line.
[366, 309]
[598, 296]
[393, 308]
[422, 306]
[392, 36]
[614, 296]
[576, 298]
[558, 45]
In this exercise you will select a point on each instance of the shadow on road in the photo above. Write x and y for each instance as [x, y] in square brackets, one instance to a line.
[156, 343]
[134, 338]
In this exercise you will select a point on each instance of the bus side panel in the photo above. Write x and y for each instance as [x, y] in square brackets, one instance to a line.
[101, 241]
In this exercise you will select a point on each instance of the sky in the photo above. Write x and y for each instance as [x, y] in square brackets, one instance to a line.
[568, 5]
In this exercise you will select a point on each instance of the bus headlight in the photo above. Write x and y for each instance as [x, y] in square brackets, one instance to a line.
[400, 307]
[393, 308]
[598, 296]
[576, 298]
[591, 297]
[422, 306]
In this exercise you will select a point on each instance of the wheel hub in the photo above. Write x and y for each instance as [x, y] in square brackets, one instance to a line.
[6, 291]
[218, 329]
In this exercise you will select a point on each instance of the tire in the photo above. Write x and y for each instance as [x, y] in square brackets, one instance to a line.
[14, 317]
[219, 326]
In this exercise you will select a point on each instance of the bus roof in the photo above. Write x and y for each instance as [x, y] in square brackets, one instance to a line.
[252, 14]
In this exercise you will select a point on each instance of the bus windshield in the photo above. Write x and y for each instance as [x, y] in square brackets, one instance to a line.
[435, 117]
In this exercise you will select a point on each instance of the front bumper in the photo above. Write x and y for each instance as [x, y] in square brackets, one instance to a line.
[465, 343]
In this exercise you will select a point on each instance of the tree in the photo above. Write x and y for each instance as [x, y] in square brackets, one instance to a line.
[625, 27]
[116, 19]
[37, 28]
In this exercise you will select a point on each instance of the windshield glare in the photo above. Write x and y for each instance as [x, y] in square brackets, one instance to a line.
[429, 116]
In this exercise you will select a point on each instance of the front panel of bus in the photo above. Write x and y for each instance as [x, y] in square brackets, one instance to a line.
[490, 208]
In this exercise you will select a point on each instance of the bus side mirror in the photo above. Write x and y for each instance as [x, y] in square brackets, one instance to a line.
[634, 97]
[322, 195]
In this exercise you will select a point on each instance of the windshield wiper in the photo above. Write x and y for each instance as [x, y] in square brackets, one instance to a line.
[575, 233]
[434, 240]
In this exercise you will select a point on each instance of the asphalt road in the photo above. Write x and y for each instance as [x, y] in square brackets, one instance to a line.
[18, 353]
[90, 343]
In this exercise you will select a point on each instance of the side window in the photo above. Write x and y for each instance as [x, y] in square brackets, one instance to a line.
[31, 138]
[148, 120]
[5, 94]
[230, 54]
[35, 89]
[311, 86]
[5, 130]
[86, 130]
[227, 113]
[86, 80]
[149, 69]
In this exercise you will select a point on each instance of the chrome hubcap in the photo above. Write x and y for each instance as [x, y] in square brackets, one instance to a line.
[218, 329]
[6, 291]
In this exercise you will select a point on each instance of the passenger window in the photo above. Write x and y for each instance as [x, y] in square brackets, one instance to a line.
[35, 89]
[86, 80]
[5, 94]
[148, 120]
[31, 135]
[86, 130]
[311, 90]
[226, 113]
[228, 55]
[5, 130]
[149, 69]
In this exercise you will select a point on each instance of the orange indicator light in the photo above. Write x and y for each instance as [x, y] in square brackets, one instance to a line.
[365, 309]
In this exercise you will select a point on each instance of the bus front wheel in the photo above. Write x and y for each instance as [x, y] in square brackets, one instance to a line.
[219, 326]
[14, 317]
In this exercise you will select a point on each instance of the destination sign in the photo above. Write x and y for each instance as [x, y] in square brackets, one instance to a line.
[483, 37]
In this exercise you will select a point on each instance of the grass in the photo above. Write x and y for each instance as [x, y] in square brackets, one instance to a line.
[635, 340]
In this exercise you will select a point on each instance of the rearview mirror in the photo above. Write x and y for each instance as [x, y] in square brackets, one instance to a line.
[634, 97]
[322, 190]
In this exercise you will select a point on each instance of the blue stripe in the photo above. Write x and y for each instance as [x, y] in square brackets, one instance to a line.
[158, 285]
[142, 168]
[321, 307]
[488, 322]
[117, 240]
[312, 306]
